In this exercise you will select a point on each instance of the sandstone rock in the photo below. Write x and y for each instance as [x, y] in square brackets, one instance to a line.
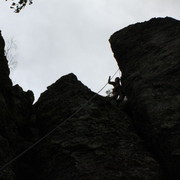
[148, 55]
[97, 139]
[98, 142]
[15, 113]
[2, 45]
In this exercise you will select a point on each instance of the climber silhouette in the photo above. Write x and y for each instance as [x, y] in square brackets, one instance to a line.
[117, 90]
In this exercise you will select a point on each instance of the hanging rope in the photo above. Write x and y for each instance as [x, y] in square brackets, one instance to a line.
[49, 133]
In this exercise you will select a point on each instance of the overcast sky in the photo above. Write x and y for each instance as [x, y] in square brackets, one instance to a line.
[57, 37]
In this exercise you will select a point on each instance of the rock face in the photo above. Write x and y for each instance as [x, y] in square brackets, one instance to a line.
[15, 112]
[89, 137]
[98, 142]
[148, 55]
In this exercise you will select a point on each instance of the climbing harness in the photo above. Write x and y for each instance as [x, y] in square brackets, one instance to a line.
[49, 133]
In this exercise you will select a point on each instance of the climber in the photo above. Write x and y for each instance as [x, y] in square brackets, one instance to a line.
[117, 90]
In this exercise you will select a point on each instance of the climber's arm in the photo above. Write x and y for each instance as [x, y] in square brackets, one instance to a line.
[110, 82]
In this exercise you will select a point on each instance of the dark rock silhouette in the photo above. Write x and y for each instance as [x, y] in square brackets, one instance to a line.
[2, 44]
[15, 112]
[148, 55]
[98, 142]
[138, 139]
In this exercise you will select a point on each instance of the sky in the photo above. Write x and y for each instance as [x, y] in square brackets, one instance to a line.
[57, 37]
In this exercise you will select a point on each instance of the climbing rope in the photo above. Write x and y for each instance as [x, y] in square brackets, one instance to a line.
[49, 133]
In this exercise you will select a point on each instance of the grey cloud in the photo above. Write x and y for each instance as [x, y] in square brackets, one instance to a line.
[58, 37]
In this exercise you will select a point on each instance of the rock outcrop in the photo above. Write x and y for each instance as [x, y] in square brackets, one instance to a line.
[15, 112]
[98, 142]
[148, 55]
[90, 137]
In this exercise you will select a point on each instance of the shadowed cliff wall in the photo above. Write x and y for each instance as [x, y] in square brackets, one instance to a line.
[148, 55]
[137, 139]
